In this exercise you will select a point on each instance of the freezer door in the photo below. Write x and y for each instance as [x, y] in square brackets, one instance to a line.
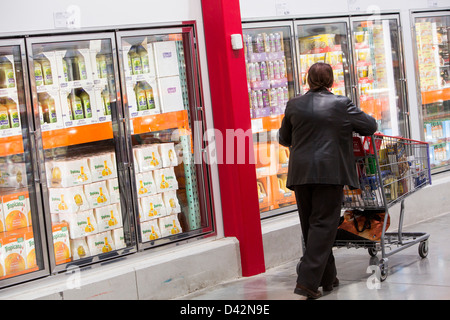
[164, 121]
[379, 73]
[432, 34]
[324, 41]
[22, 252]
[270, 81]
[84, 177]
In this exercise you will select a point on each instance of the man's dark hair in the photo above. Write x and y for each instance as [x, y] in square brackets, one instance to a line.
[320, 76]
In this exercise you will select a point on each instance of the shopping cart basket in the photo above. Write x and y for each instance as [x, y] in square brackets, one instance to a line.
[390, 169]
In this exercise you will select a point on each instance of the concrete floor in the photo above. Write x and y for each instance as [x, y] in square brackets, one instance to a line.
[409, 276]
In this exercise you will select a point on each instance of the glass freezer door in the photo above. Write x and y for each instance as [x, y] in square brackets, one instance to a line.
[379, 73]
[161, 95]
[270, 82]
[324, 42]
[432, 35]
[76, 108]
[22, 254]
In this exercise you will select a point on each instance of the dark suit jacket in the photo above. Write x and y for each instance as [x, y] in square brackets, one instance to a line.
[318, 129]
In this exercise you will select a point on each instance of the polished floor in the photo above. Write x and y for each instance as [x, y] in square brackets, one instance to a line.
[409, 276]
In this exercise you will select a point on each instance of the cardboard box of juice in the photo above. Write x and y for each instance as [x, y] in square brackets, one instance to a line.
[138, 63]
[50, 110]
[152, 207]
[102, 166]
[30, 248]
[79, 249]
[46, 73]
[79, 106]
[97, 194]
[143, 97]
[147, 157]
[12, 253]
[74, 68]
[80, 224]
[150, 230]
[166, 59]
[16, 210]
[113, 190]
[171, 202]
[165, 179]
[68, 172]
[61, 242]
[169, 225]
[168, 155]
[68, 200]
[118, 238]
[145, 184]
[108, 217]
[100, 243]
[171, 94]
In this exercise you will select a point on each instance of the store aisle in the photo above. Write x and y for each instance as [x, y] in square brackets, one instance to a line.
[410, 277]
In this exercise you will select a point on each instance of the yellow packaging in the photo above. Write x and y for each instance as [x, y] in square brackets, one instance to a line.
[152, 207]
[145, 184]
[150, 230]
[168, 155]
[79, 249]
[97, 194]
[108, 217]
[100, 243]
[68, 173]
[148, 157]
[16, 210]
[118, 238]
[80, 224]
[102, 167]
[165, 180]
[171, 202]
[169, 225]
[67, 200]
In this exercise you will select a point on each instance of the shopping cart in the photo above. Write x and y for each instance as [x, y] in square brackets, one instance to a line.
[390, 169]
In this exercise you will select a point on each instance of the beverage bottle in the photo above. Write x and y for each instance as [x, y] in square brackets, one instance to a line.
[254, 98]
[4, 117]
[260, 99]
[265, 97]
[273, 97]
[38, 75]
[69, 62]
[77, 106]
[106, 102]
[101, 65]
[149, 96]
[46, 70]
[65, 70]
[136, 65]
[141, 98]
[259, 43]
[257, 72]
[280, 97]
[41, 112]
[276, 70]
[14, 118]
[270, 70]
[263, 69]
[7, 79]
[144, 59]
[81, 66]
[86, 101]
[282, 68]
[249, 45]
[272, 42]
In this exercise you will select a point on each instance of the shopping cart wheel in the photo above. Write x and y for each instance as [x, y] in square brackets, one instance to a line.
[383, 269]
[423, 249]
[372, 252]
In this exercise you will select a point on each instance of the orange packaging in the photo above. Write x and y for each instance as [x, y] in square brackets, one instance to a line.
[12, 253]
[30, 248]
[2, 218]
[264, 193]
[16, 210]
[281, 194]
[61, 242]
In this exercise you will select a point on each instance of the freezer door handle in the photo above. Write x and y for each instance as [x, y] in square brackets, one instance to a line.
[36, 169]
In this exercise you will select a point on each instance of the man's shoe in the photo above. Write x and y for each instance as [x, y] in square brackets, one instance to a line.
[331, 286]
[311, 294]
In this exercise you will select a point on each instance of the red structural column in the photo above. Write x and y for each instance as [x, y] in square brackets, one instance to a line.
[231, 110]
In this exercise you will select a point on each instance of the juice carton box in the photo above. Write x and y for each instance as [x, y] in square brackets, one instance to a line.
[50, 110]
[30, 248]
[68, 172]
[171, 202]
[68, 200]
[102, 167]
[100, 243]
[61, 242]
[148, 157]
[170, 94]
[14, 174]
[79, 249]
[13, 253]
[80, 224]
[108, 217]
[79, 106]
[118, 238]
[113, 190]
[46, 71]
[150, 230]
[74, 68]
[166, 58]
[169, 225]
[152, 207]
[97, 194]
[165, 179]
[2, 218]
[143, 96]
[168, 155]
[16, 210]
[145, 184]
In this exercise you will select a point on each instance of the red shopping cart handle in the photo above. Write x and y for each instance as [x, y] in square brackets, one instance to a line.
[380, 134]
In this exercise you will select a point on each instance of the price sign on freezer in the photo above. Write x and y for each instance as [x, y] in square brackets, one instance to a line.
[69, 19]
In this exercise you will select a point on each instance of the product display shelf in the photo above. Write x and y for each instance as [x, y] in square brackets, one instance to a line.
[158, 122]
[435, 95]
[11, 145]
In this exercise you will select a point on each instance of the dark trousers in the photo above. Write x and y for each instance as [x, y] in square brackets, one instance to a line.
[319, 207]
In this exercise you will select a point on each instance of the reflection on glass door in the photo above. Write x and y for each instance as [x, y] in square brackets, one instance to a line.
[21, 250]
[268, 56]
[433, 47]
[74, 93]
[378, 73]
[324, 42]
[159, 94]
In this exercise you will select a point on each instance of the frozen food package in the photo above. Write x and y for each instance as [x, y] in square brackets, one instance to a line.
[97, 194]
[150, 230]
[79, 249]
[168, 155]
[68, 172]
[152, 207]
[147, 157]
[171, 202]
[102, 166]
[67, 200]
[169, 225]
[145, 184]
[166, 58]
